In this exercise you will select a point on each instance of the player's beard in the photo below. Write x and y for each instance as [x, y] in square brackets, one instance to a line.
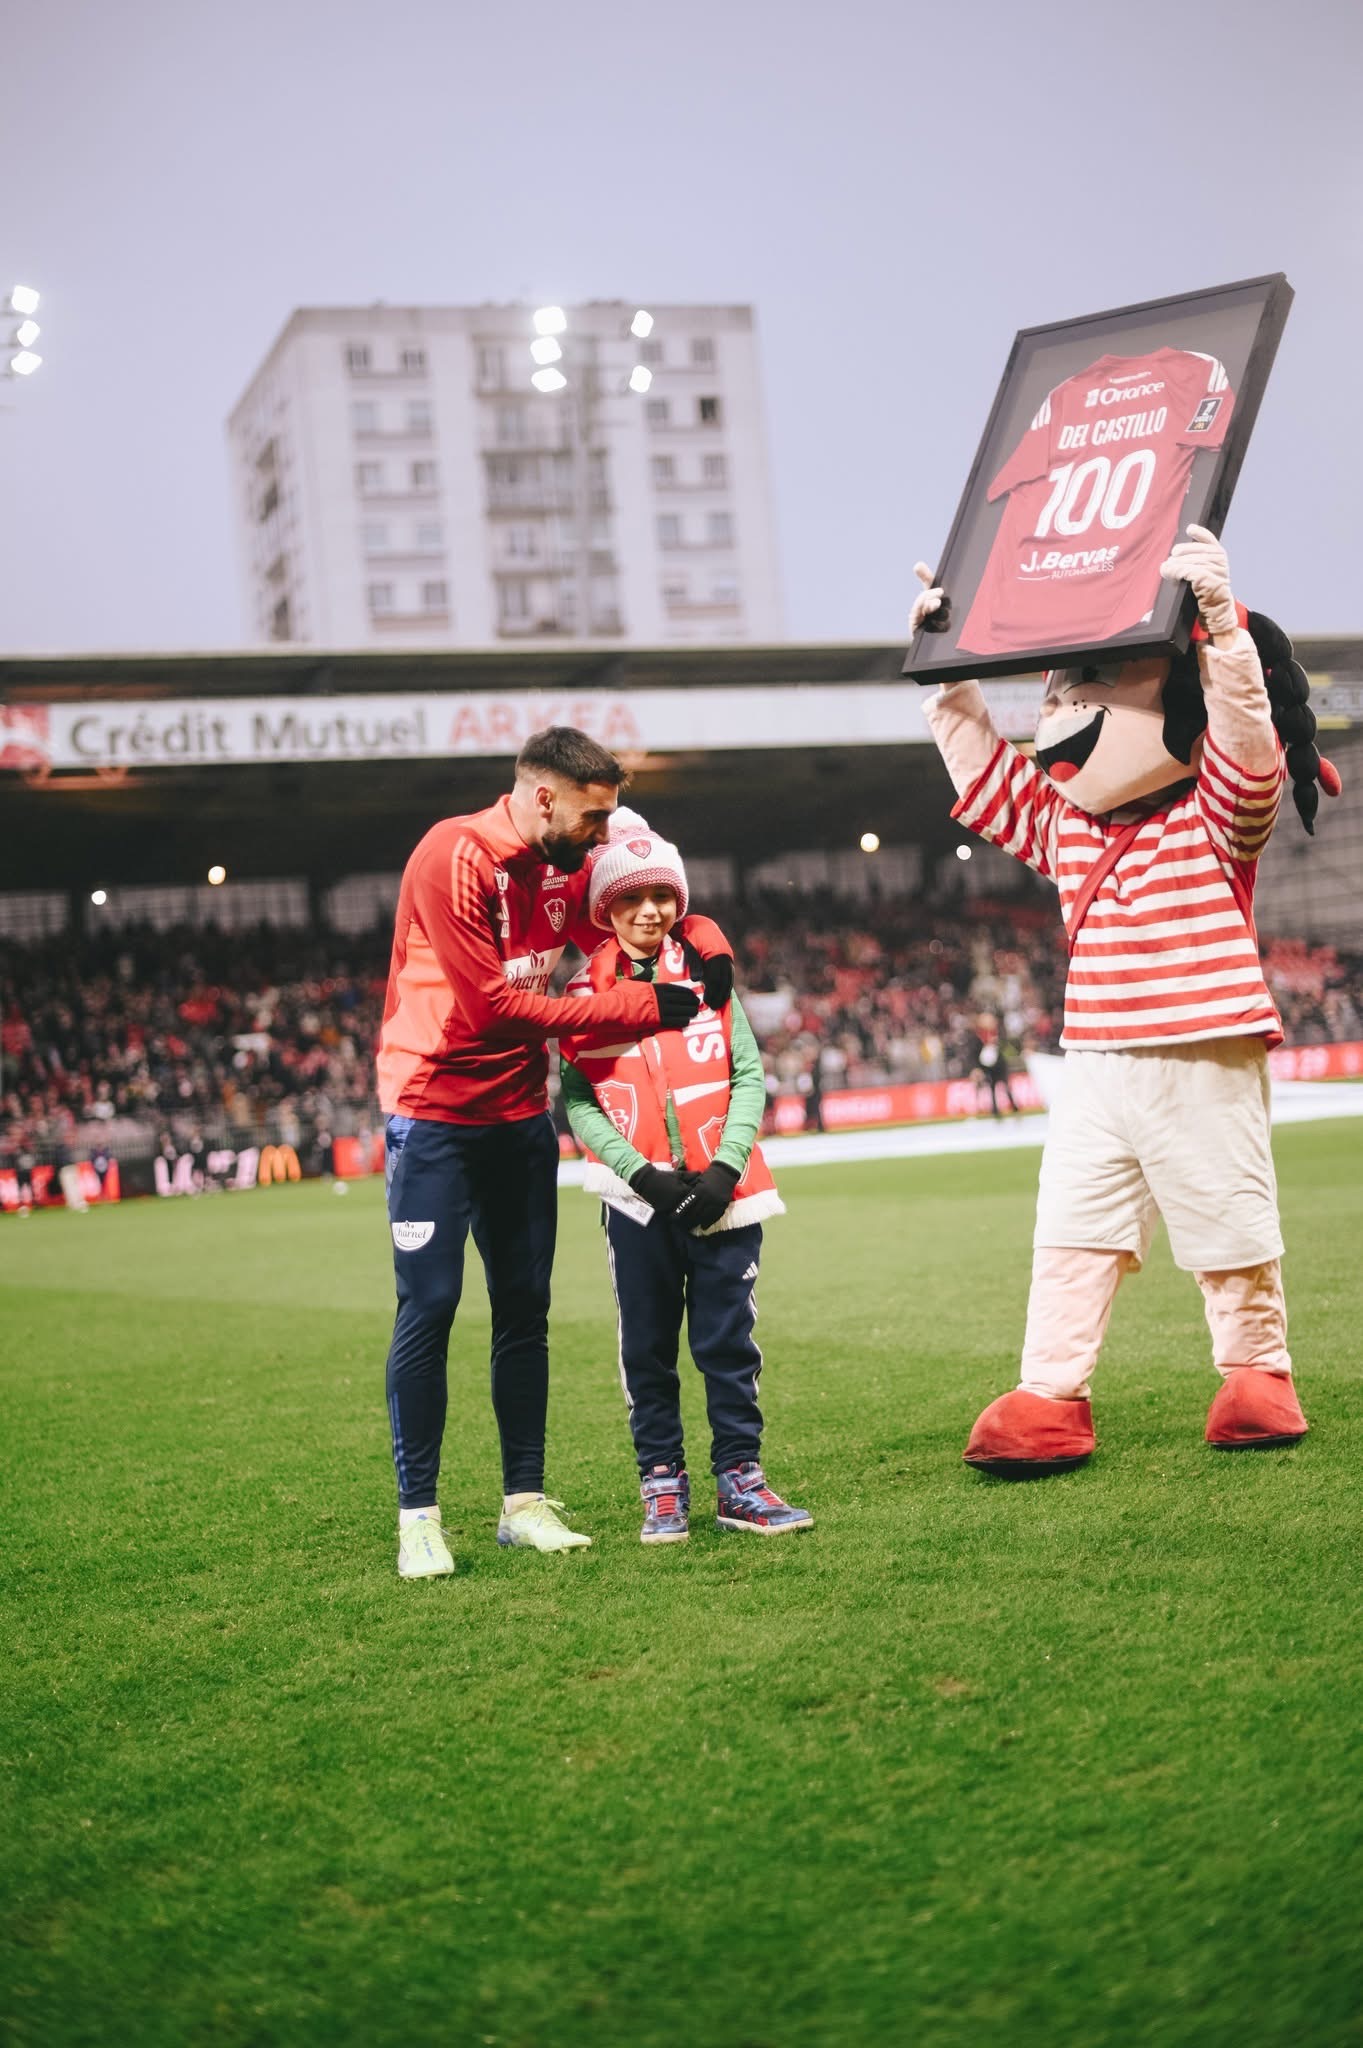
[567, 855]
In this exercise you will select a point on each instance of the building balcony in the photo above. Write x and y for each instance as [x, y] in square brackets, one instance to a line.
[519, 498]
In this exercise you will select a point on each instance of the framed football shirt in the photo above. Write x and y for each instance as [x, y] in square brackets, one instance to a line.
[1108, 437]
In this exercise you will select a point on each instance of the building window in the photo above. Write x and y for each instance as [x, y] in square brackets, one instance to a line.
[664, 470]
[719, 529]
[715, 469]
[412, 360]
[651, 351]
[369, 476]
[434, 596]
[724, 590]
[418, 416]
[357, 358]
[380, 596]
[374, 537]
[707, 410]
[523, 543]
[511, 425]
[429, 534]
[675, 590]
[657, 411]
[669, 530]
[281, 622]
[364, 416]
[515, 602]
[489, 367]
[423, 476]
[702, 352]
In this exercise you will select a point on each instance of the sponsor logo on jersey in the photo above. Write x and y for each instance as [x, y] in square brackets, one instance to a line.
[556, 910]
[531, 971]
[1118, 394]
[1082, 561]
[552, 879]
[1202, 419]
[409, 1237]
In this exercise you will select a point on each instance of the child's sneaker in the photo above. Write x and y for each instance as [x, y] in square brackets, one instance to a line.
[666, 1494]
[747, 1502]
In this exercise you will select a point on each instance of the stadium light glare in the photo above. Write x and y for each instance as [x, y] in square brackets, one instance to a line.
[25, 363]
[545, 349]
[964, 852]
[641, 324]
[640, 377]
[550, 320]
[27, 332]
[99, 896]
[548, 380]
[23, 299]
[217, 875]
[870, 842]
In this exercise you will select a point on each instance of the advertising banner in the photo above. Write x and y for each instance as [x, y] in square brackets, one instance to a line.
[112, 735]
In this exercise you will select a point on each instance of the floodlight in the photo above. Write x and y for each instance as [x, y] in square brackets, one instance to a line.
[99, 896]
[27, 332]
[217, 875]
[25, 363]
[546, 349]
[964, 852]
[640, 377]
[550, 320]
[870, 842]
[641, 324]
[548, 380]
[23, 299]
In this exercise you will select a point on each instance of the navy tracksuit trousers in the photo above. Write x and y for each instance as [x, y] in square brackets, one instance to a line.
[501, 1182]
[659, 1273]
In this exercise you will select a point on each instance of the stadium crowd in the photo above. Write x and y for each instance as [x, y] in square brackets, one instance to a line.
[141, 1037]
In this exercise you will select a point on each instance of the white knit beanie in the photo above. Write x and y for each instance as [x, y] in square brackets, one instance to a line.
[633, 863]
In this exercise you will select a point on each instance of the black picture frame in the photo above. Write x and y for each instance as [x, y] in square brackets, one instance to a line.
[1239, 324]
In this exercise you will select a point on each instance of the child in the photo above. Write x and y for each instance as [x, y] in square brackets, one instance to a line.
[670, 1125]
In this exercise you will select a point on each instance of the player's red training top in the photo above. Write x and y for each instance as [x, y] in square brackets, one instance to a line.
[481, 923]
[1095, 488]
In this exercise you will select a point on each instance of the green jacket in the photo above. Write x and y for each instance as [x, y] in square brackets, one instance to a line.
[747, 1103]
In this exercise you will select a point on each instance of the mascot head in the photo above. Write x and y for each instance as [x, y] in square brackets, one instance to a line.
[1113, 734]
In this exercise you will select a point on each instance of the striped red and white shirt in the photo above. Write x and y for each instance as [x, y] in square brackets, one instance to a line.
[1167, 954]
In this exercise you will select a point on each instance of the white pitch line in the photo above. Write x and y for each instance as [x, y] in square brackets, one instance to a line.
[1294, 1102]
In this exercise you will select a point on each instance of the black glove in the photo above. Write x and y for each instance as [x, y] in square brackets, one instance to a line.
[707, 1198]
[719, 980]
[660, 1189]
[676, 1005]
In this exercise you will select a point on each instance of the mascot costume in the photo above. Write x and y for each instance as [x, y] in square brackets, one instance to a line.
[1153, 791]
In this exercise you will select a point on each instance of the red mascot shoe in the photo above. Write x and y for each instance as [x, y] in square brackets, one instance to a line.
[1025, 1436]
[1255, 1411]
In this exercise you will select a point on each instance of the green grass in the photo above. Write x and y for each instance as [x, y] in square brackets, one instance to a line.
[1075, 1762]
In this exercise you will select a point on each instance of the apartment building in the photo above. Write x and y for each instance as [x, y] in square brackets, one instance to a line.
[399, 480]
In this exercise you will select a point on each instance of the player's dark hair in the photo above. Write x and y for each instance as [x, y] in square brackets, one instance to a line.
[1185, 713]
[563, 750]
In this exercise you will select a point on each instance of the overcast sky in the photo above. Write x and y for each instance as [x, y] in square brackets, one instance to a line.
[895, 187]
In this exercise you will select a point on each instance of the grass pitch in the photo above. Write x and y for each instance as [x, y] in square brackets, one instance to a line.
[1074, 1762]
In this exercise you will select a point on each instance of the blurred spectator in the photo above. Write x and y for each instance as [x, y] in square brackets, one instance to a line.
[187, 1040]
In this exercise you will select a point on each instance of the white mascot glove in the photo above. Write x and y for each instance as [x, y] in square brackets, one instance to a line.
[1201, 561]
[928, 601]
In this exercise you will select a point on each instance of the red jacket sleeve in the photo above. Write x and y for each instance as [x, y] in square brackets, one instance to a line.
[452, 909]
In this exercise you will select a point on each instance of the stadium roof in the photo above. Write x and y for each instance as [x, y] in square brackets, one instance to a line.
[325, 820]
